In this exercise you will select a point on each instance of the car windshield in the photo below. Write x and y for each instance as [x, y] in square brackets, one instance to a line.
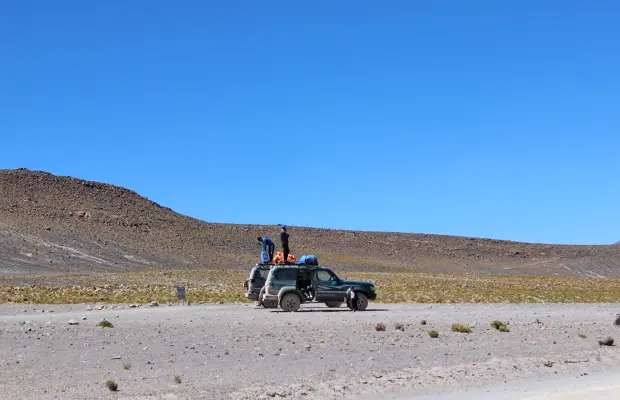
[336, 275]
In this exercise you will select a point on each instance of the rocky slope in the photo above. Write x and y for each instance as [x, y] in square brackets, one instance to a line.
[55, 225]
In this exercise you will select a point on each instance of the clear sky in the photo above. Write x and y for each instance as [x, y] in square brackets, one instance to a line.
[480, 118]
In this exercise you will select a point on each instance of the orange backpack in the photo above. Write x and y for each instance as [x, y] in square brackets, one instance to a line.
[278, 258]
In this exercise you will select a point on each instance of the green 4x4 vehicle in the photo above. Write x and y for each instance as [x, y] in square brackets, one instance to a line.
[288, 286]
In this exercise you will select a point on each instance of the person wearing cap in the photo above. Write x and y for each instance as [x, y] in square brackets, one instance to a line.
[284, 240]
[268, 246]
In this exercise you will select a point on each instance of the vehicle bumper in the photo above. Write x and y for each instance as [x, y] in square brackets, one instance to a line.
[251, 296]
[270, 297]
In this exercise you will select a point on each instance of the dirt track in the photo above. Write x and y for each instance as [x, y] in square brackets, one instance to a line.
[238, 352]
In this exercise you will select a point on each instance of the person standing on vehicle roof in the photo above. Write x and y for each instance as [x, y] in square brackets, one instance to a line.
[268, 246]
[284, 240]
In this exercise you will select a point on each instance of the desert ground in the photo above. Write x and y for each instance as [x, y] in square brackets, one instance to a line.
[238, 351]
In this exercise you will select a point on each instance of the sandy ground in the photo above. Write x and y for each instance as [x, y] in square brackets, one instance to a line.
[240, 352]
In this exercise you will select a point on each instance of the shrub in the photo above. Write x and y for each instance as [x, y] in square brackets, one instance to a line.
[177, 379]
[380, 327]
[399, 326]
[462, 328]
[126, 366]
[606, 342]
[105, 324]
[113, 386]
[434, 334]
[581, 335]
[500, 326]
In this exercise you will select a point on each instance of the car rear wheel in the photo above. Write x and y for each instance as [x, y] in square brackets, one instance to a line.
[266, 304]
[362, 302]
[290, 302]
[333, 304]
[260, 297]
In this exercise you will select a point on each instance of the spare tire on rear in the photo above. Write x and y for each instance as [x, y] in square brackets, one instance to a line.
[268, 304]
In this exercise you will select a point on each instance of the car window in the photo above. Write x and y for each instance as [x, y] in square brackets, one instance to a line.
[261, 274]
[287, 274]
[325, 276]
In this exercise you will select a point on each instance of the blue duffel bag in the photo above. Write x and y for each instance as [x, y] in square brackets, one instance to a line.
[308, 260]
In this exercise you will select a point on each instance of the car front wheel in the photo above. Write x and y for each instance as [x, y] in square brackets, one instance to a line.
[362, 302]
[290, 302]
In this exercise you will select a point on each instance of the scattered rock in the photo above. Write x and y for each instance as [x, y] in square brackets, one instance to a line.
[133, 305]
[73, 322]
[83, 318]
[617, 321]
[154, 304]
[99, 308]
[609, 341]
[548, 364]
[423, 322]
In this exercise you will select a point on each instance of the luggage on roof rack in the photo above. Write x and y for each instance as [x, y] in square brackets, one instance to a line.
[308, 260]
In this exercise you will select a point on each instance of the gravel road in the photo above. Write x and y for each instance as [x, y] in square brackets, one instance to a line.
[241, 352]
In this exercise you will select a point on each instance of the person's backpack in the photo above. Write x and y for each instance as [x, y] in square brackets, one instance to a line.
[264, 257]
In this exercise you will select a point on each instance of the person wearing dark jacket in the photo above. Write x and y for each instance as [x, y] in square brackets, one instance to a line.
[284, 240]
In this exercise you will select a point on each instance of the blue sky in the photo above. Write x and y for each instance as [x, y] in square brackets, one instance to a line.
[479, 118]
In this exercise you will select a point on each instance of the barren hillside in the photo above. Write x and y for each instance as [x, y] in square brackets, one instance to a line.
[55, 225]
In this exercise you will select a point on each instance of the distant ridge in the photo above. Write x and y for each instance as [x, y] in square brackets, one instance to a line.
[55, 225]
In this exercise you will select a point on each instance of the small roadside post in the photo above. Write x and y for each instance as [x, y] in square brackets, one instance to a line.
[181, 296]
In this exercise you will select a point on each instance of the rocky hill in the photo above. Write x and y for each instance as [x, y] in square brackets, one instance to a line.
[56, 225]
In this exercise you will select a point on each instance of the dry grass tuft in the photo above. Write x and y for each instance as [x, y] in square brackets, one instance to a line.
[399, 326]
[112, 385]
[380, 327]
[461, 328]
[177, 379]
[105, 324]
[434, 334]
[500, 326]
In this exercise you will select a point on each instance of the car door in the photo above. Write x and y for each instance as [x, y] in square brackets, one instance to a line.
[328, 286]
[282, 277]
